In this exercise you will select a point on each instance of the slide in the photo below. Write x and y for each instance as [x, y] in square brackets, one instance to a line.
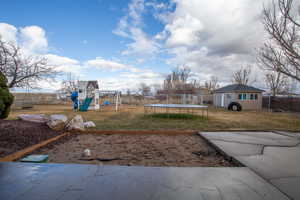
[85, 104]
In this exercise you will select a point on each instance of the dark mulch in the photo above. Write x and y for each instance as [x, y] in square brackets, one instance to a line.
[16, 135]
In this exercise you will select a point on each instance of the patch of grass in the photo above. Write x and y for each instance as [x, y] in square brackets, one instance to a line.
[174, 116]
[133, 118]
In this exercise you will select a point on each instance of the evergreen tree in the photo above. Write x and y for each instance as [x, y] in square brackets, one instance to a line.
[6, 98]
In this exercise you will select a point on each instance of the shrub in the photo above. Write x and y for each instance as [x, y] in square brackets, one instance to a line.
[6, 98]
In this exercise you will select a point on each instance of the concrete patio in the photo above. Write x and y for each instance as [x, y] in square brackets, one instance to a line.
[271, 172]
[21, 181]
[275, 156]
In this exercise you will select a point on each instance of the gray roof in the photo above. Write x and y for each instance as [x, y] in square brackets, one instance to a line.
[238, 88]
[85, 84]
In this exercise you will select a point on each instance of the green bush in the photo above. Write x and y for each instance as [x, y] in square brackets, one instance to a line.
[6, 98]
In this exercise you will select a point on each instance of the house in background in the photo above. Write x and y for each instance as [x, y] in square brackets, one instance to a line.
[238, 97]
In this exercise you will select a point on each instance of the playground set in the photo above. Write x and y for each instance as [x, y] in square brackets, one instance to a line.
[87, 96]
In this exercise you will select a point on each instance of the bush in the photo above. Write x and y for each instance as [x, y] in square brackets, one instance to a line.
[6, 98]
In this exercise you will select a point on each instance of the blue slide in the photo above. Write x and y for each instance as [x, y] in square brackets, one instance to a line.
[85, 105]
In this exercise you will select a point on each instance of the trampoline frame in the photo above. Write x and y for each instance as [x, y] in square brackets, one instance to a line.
[176, 108]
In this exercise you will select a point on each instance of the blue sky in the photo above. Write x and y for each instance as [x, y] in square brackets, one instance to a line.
[68, 23]
[122, 43]
[83, 30]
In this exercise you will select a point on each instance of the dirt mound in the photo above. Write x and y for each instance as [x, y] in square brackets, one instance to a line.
[16, 135]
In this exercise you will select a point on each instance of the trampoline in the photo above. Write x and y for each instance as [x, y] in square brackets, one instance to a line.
[176, 108]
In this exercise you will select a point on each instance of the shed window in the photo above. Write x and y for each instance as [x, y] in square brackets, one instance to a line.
[242, 96]
[251, 96]
[255, 96]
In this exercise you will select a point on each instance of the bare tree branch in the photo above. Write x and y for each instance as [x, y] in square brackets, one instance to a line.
[242, 76]
[20, 70]
[144, 89]
[281, 52]
[277, 82]
[211, 84]
[178, 79]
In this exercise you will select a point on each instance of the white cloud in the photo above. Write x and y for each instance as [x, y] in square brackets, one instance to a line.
[60, 60]
[131, 80]
[64, 64]
[49, 85]
[229, 26]
[142, 45]
[143, 75]
[213, 37]
[8, 33]
[136, 8]
[108, 65]
[33, 39]
[184, 31]
[130, 26]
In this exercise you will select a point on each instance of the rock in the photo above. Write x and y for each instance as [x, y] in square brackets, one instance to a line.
[89, 124]
[87, 153]
[57, 122]
[76, 123]
[40, 118]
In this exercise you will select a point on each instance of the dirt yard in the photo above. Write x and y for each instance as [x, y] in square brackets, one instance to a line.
[132, 118]
[135, 149]
[16, 135]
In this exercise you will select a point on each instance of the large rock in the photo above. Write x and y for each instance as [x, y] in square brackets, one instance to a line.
[40, 118]
[76, 124]
[57, 122]
[89, 124]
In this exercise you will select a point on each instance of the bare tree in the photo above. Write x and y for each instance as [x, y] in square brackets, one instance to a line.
[277, 82]
[290, 87]
[211, 84]
[281, 52]
[144, 89]
[68, 86]
[178, 78]
[128, 92]
[156, 87]
[21, 70]
[242, 76]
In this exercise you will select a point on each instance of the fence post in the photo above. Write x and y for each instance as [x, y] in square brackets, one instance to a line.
[269, 103]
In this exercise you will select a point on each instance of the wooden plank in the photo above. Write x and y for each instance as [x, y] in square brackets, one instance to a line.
[19, 154]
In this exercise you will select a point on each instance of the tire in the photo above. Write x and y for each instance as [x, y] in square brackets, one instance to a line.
[234, 106]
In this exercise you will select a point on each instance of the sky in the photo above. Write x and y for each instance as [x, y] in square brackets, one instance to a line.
[122, 43]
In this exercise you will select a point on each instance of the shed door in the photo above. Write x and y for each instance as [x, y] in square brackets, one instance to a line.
[223, 100]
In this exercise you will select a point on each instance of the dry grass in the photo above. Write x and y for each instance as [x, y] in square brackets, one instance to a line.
[132, 117]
